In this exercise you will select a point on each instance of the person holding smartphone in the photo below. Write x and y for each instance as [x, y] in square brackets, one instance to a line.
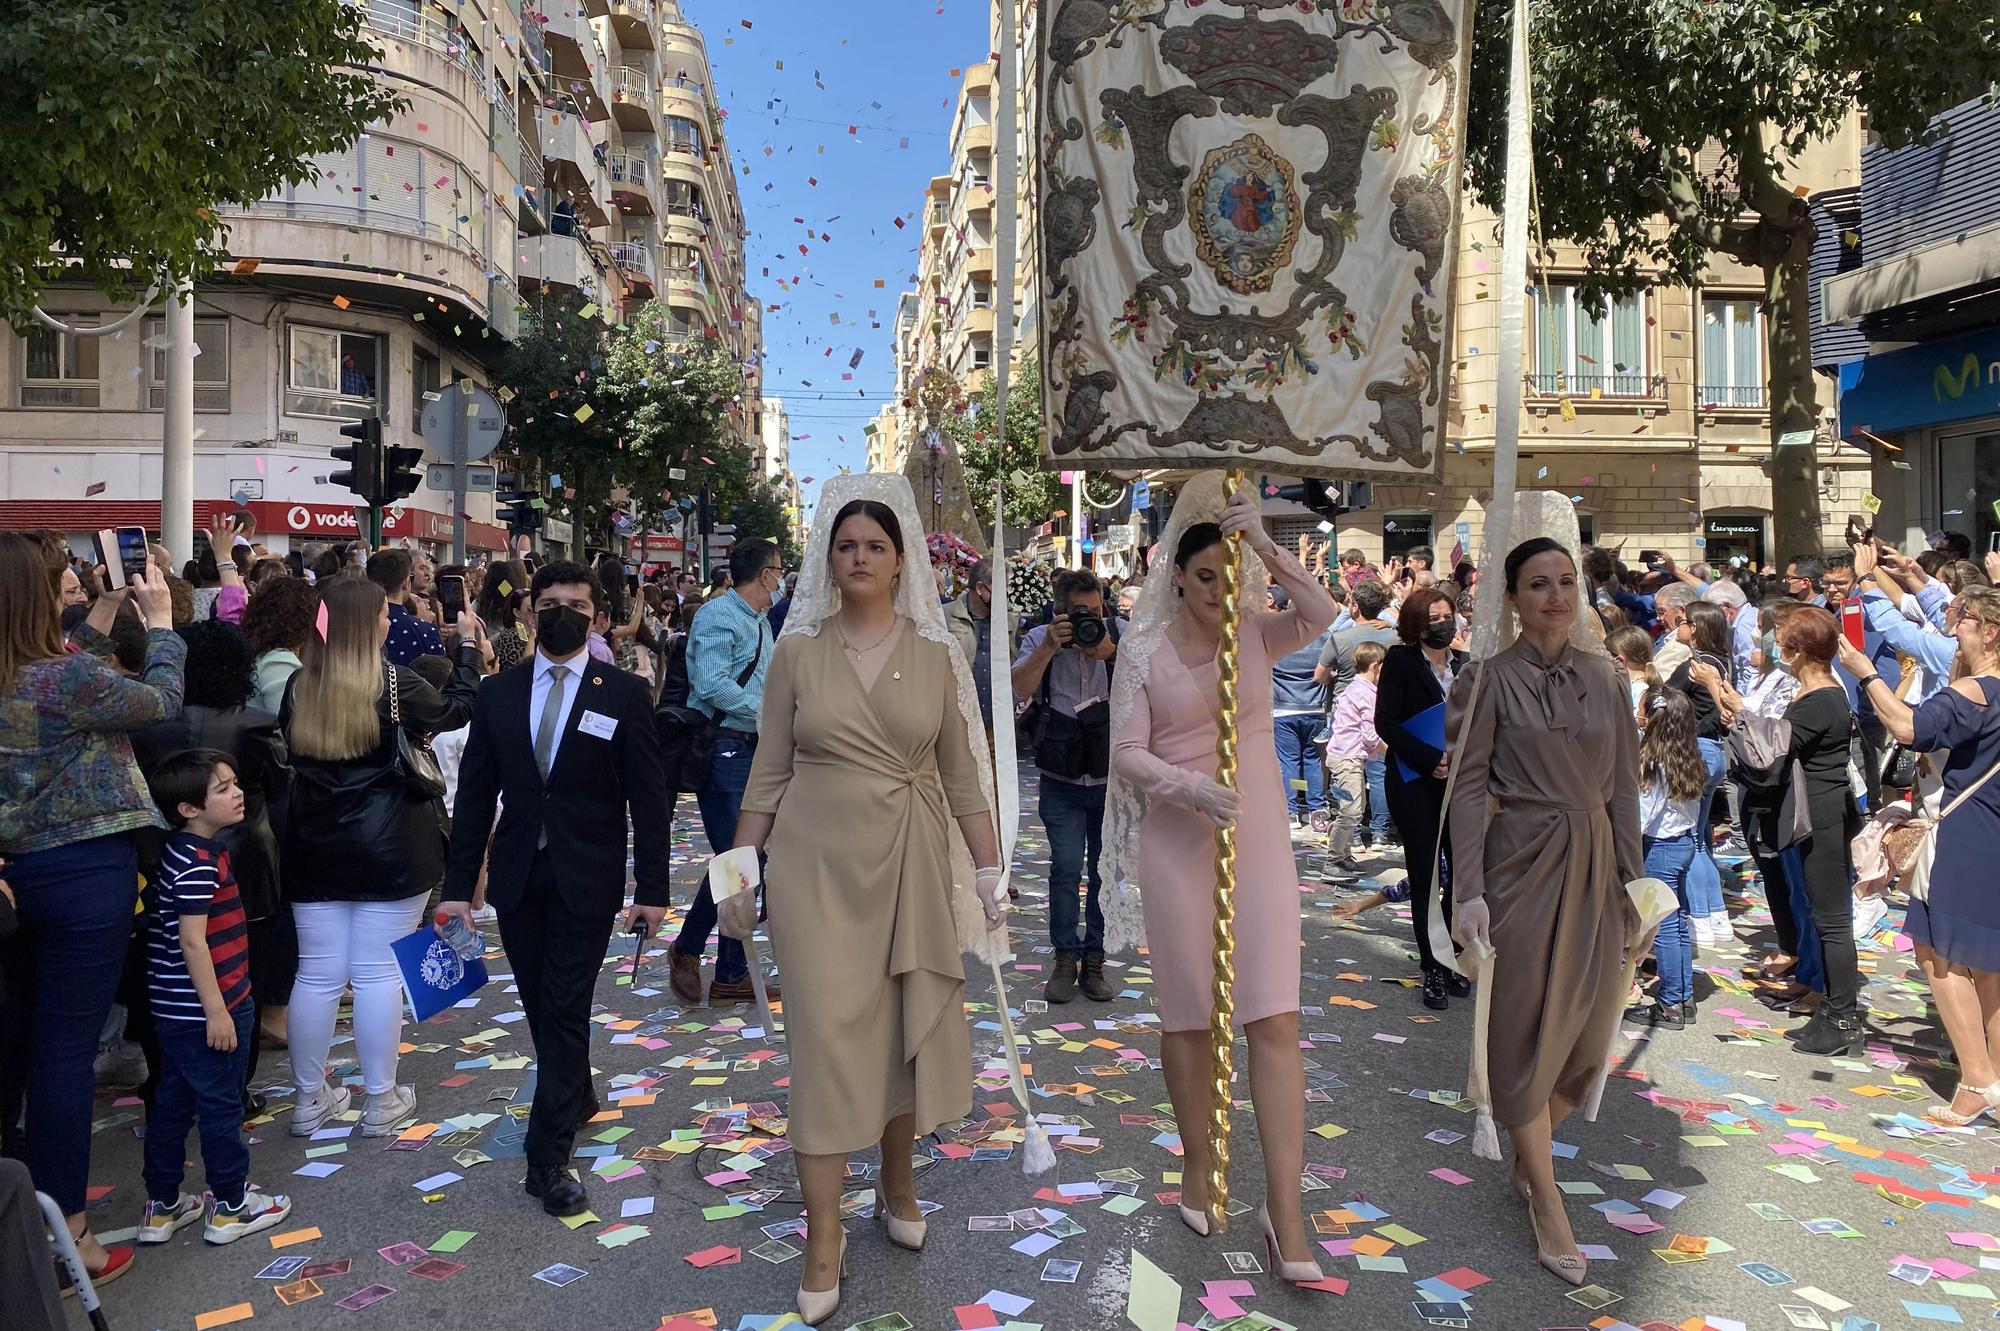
[75, 801]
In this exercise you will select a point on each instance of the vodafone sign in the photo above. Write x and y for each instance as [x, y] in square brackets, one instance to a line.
[338, 522]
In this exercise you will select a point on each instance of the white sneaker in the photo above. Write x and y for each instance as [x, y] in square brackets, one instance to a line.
[486, 915]
[314, 1110]
[386, 1111]
[254, 1215]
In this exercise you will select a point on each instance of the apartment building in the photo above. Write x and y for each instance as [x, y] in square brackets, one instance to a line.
[526, 158]
[947, 321]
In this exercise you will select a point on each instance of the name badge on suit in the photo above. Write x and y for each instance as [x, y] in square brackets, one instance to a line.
[598, 725]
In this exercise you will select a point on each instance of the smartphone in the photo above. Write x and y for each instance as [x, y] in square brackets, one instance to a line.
[1993, 543]
[122, 552]
[1651, 558]
[529, 562]
[1853, 624]
[451, 591]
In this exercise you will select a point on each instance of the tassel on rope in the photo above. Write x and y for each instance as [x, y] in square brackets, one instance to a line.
[1222, 1017]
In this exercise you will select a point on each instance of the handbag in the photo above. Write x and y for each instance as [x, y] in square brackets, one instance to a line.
[423, 779]
[1918, 881]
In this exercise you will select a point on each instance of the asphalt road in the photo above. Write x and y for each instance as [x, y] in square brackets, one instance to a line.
[1734, 1146]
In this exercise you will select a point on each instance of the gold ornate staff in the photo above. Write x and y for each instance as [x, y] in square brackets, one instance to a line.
[1221, 1022]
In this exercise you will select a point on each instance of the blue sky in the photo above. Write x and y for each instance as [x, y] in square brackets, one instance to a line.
[884, 68]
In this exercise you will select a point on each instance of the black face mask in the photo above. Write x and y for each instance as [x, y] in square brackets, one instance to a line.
[1440, 634]
[561, 629]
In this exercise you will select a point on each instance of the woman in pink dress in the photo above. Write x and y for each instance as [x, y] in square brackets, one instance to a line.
[1164, 790]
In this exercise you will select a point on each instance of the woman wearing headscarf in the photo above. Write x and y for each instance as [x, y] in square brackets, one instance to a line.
[1545, 829]
[870, 721]
[1164, 725]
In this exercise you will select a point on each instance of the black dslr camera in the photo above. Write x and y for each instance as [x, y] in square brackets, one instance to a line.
[1086, 627]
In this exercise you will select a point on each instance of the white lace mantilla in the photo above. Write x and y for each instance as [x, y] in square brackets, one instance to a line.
[816, 599]
[1200, 500]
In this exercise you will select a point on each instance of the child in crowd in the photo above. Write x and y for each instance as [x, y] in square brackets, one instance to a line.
[1671, 779]
[1352, 744]
[198, 975]
[1632, 648]
[1389, 894]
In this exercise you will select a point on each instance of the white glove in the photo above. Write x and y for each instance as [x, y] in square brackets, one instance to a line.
[987, 883]
[1472, 924]
[737, 917]
[1218, 801]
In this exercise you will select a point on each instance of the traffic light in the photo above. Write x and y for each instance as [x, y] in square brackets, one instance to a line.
[1330, 499]
[402, 473]
[363, 473]
[519, 508]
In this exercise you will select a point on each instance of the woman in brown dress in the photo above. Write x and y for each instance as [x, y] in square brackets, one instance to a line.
[1545, 834]
[868, 752]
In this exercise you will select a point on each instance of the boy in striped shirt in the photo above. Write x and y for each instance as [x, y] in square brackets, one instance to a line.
[198, 974]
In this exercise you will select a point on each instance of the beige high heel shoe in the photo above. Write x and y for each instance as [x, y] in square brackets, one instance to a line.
[816, 1305]
[1296, 1273]
[1570, 1268]
[903, 1233]
[1195, 1220]
[1951, 1118]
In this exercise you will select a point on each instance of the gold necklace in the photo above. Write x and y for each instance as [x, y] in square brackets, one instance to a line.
[852, 650]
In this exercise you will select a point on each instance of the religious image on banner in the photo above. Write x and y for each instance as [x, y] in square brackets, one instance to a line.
[1248, 226]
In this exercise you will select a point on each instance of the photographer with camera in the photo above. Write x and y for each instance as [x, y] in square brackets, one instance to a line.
[1063, 677]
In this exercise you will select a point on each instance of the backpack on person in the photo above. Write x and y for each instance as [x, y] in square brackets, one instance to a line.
[1760, 755]
[687, 736]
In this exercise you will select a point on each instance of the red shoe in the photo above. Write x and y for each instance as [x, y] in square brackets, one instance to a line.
[117, 1261]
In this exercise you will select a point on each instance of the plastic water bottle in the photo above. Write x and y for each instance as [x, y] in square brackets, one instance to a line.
[462, 937]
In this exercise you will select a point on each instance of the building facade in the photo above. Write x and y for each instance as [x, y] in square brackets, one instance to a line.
[528, 158]
[1910, 309]
[948, 320]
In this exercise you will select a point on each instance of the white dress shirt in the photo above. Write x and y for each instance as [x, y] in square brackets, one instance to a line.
[538, 696]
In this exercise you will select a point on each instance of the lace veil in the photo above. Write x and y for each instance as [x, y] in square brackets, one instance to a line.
[816, 599]
[1532, 513]
[1200, 500]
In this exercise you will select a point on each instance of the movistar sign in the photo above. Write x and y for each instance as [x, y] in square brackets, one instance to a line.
[1932, 383]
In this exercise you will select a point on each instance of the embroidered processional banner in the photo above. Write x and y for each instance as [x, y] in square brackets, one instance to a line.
[1248, 214]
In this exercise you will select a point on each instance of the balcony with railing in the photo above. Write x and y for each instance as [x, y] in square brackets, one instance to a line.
[1734, 397]
[1630, 384]
[635, 260]
[633, 101]
[577, 58]
[535, 47]
[633, 21]
[632, 180]
[559, 261]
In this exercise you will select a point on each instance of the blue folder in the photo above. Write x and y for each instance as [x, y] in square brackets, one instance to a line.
[435, 976]
[1428, 726]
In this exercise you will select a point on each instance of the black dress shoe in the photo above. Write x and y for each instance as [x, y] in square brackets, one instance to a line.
[560, 1194]
[590, 1110]
[1457, 985]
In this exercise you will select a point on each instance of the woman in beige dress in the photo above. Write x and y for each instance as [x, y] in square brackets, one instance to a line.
[1545, 835]
[869, 750]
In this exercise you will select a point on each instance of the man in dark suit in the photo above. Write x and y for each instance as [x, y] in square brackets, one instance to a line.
[569, 742]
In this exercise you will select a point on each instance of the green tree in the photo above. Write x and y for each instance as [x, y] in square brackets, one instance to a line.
[552, 373]
[1628, 93]
[1013, 452]
[681, 410]
[764, 511]
[123, 127]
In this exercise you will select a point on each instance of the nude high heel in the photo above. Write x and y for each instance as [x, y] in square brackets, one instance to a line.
[1195, 1220]
[1570, 1268]
[903, 1233]
[1295, 1273]
[1950, 1117]
[816, 1305]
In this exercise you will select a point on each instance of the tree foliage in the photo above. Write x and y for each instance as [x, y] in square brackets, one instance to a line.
[1014, 452]
[765, 511]
[123, 127]
[551, 372]
[1629, 94]
[651, 405]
